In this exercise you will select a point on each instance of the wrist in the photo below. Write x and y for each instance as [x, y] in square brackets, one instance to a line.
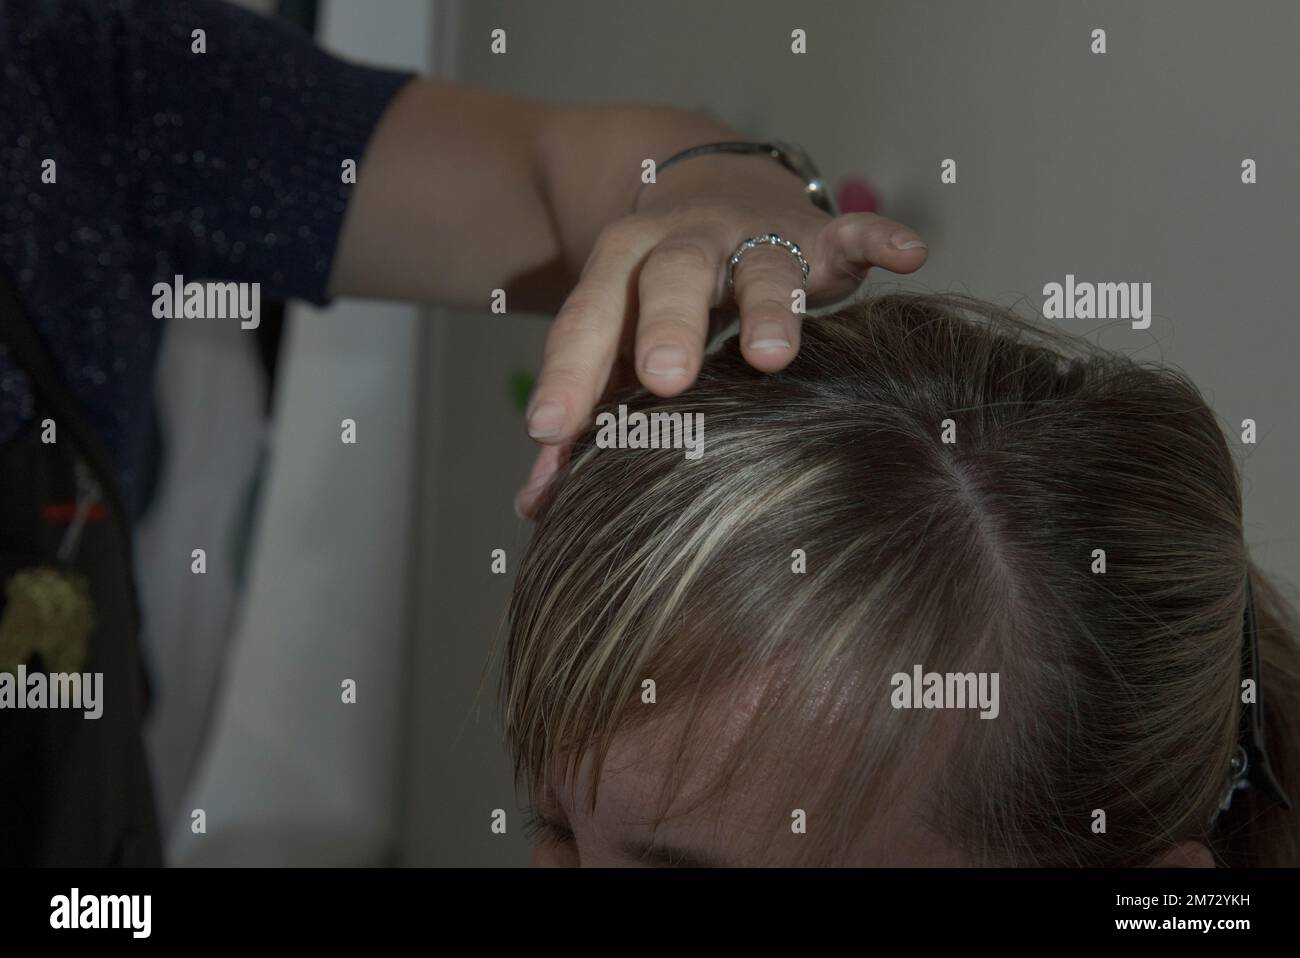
[721, 175]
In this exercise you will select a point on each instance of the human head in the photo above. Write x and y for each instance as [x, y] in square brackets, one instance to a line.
[970, 494]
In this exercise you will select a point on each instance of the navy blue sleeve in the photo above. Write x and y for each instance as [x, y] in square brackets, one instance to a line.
[223, 165]
[229, 160]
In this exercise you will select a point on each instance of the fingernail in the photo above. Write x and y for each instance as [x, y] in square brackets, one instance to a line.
[769, 336]
[907, 240]
[545, 421]
[665, 361]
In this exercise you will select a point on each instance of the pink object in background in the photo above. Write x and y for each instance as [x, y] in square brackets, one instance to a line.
[855, 195]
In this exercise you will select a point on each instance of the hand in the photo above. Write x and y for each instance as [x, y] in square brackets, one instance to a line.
[641, 306]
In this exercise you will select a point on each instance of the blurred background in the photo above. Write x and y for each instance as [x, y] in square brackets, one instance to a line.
[1122, 167]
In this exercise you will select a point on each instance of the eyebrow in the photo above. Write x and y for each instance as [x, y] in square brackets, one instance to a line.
[653, 853]
[660, 855]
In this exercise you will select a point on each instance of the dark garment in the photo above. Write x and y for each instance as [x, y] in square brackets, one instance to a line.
[223, 165]
[76, 790]
[217, 166]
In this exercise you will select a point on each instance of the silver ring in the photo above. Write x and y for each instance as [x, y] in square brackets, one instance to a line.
[765, 239]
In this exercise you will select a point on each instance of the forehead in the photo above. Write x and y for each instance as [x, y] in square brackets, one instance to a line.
[647, 794]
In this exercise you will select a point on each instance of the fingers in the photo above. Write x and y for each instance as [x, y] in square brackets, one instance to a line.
[850, 245]
[549, 461]
[583, 342]
[677, 284]
[767, 280]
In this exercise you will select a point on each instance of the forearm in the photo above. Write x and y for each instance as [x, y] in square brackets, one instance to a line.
[463, 191]
[446, 205]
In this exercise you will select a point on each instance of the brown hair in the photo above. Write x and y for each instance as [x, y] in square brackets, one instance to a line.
[1120, 690]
